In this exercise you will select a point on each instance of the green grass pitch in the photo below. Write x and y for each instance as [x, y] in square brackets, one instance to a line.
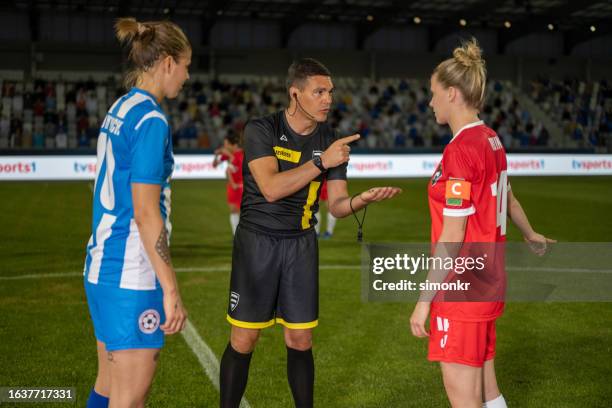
[549, 355]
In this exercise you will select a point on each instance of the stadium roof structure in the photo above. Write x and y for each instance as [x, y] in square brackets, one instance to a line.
[578, 20]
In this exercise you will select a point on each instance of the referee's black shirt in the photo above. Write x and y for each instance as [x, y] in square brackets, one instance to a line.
[272, 136]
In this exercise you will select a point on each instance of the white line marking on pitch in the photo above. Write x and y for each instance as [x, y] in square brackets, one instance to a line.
[220, 268]
[547, 269]
[223, 268]
[205, 356]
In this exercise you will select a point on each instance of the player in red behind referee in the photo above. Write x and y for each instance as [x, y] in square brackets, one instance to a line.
[234, 155]
[331, 220]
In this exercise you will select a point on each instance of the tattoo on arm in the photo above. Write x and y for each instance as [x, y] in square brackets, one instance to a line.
[161, 246]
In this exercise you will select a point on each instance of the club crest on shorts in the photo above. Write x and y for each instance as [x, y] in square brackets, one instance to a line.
[234, 299]
[149, 321]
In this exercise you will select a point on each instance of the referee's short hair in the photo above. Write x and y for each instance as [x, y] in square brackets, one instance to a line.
[303, 68]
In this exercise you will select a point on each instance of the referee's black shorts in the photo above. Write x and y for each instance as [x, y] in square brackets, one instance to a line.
[275, 279]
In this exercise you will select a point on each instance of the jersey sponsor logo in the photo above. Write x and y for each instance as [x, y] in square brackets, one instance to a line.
[289, 155]
[284, 138]
[437, 175]
[457, 191]
[234, 299]
[149, 321]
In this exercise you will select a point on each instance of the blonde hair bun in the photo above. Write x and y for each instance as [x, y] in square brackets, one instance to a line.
[465, 71]
[147, 43]
[126, 29]
[469, 54]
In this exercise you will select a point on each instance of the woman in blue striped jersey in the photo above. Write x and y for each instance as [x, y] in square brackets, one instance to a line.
[130, 283]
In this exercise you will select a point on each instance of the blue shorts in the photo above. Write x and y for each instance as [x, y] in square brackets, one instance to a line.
[126, 319]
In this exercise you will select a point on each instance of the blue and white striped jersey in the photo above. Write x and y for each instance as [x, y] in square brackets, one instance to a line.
[134, 146]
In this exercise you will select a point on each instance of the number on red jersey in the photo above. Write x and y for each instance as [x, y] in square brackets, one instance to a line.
[500, 191]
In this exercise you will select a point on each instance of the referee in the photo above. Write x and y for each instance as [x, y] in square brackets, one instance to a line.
[275, 263]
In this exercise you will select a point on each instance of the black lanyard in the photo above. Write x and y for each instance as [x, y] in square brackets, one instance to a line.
[359, 223]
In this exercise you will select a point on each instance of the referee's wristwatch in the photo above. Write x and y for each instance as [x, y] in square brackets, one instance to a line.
[319, 163]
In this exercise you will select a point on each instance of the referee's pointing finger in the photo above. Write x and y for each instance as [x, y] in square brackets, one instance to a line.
[349, 139]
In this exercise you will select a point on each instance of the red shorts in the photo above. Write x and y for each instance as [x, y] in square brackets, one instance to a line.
[234, 197]
[454, 341]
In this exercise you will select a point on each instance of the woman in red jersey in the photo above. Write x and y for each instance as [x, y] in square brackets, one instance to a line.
[469, 201]
[234, 155]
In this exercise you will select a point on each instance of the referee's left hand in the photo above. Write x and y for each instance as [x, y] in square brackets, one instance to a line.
[379, 194]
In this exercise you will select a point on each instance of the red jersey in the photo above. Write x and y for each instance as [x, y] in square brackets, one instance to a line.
[323, 195]
[235, 165]
[471, 181]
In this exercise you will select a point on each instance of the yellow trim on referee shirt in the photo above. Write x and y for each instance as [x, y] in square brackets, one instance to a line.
[307, 325]
[313, 189]
[250, 325]
[283, 153]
